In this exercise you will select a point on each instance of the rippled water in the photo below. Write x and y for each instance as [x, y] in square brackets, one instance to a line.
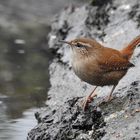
[24, 78]
[16, 129]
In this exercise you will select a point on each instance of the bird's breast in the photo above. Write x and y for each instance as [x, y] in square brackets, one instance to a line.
[87, 70]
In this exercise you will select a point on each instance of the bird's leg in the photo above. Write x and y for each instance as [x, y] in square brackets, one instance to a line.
[135, 111]
[109, 98]
[89, 98]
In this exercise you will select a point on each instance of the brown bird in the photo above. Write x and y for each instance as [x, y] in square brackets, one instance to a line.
[99, 65]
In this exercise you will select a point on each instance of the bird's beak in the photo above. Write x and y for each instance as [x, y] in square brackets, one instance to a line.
[67, 42]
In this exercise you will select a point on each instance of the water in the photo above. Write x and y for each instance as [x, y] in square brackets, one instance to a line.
[24, 80]
[24, 61]
[16, 129]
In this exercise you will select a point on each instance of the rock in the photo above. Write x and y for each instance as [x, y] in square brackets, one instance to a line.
[69, 122]
[115, 23]
[121, 117]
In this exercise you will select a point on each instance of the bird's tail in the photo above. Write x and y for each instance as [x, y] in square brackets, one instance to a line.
[129, 49]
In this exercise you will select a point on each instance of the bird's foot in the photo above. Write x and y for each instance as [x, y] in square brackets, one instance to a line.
[89, 99]
[108, 99]
[86, 101]
[135, 111]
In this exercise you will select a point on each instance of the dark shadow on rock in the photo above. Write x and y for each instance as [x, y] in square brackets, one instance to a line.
[135, 14]
[69, 122]
[100, 3]
[102, 16]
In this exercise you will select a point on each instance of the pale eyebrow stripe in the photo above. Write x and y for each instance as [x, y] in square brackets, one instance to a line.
[85, 44]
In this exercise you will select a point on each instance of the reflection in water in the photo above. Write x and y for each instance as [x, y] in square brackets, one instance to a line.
[23, 79]
[16, 129]
[23, 71]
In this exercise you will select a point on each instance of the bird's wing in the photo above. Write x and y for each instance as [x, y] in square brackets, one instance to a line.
[114, 61]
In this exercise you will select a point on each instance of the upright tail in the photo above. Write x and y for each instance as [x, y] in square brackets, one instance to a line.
[129, 49]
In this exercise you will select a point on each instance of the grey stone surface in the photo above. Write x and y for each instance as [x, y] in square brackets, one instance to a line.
[113, 23]
[58, 125]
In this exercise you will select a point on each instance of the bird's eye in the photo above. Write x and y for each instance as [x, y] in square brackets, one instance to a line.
[79, 45]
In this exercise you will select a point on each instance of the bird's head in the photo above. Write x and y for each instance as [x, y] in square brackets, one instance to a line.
[78, 43]
[82, 45]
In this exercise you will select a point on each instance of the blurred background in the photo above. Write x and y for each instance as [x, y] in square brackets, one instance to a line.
[24, 61]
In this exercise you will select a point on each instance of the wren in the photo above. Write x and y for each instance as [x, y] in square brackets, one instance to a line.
[99, 65]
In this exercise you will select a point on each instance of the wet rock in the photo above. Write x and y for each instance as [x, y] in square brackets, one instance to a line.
[135, 14]
[122, 119]
[69, 122]
[111, 23]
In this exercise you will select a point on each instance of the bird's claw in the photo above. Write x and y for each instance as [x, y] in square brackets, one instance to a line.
[86, 101]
